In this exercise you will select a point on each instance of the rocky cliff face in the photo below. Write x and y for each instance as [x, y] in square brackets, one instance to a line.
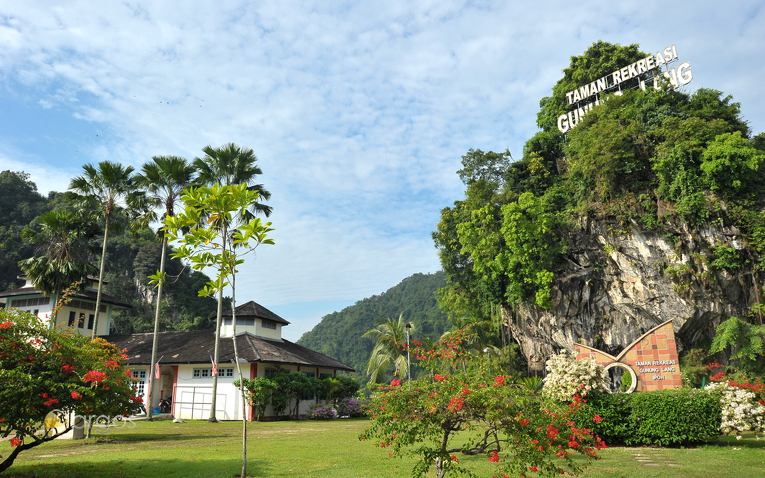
[619, 284]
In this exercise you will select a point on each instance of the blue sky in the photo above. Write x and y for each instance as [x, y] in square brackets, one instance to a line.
[358, 111]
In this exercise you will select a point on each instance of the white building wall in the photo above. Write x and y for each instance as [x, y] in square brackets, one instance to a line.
[192, 397]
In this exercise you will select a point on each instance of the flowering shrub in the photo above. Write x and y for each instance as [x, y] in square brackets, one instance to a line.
[349, 407]
[568, 376]
[740, 409]
[43, 369]
[321, 412]
[464, 414]
[511, 426]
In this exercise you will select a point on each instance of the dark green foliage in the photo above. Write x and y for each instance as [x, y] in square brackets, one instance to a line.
[725, 257]
[19, 204]
[693, 364]
[490, 167]
[664, 418]
[130, 262]
[599, 60]
[747, 343]
[339, 335]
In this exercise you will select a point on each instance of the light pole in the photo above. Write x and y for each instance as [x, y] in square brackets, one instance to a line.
[488, 351]
[408, 366]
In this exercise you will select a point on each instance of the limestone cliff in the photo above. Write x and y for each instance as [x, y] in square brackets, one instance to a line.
[618, 284]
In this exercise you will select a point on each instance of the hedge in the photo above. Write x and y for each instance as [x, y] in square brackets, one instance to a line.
[664, 418]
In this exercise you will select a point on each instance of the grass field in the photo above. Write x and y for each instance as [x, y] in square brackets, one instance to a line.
[325, 450]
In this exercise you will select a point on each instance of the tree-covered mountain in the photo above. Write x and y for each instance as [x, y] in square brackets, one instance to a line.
[130, 260]
[339, 334]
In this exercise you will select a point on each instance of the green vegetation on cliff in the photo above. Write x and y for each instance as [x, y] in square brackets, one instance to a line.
[339, 334]
[647, 159]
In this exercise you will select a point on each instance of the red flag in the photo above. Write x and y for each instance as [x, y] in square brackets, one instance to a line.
[156, 370]
[214, 366]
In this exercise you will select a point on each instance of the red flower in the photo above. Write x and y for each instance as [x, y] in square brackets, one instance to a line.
[440, 378]
[6, 325]
[94, 376]
[494, 456]
[395, 383]
[499, 381]
[67, 368]
[76, 396]
[596, 419]
[533, 468]
[50, 402]
[16, 442]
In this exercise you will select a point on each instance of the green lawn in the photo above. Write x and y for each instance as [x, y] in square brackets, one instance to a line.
[325, 450]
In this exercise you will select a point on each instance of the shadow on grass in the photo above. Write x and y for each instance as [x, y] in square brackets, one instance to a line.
[164, 468]
[147, 437]
[748, 441]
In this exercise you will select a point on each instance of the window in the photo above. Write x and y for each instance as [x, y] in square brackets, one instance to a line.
[72, 315]
[323, 375]
[81, 304]
[240, 321]
[141, 376]
[202, 372]
[207, 372]
[30, 302]
[36, 311]
[271, 371]
[81, 321]
[268, 324]
[91, 317]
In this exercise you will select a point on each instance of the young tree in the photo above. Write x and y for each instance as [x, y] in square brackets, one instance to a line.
[228, 165]
[163, 178]
[106, 186]
[48, 374]
[207, 247]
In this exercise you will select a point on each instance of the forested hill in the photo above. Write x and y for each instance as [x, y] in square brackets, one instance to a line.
[339, 334]
[130, 261]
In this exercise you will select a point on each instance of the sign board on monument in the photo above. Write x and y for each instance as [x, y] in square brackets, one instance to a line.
[651, 361]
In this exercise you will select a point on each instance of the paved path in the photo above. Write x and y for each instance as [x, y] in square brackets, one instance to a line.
[652, 457]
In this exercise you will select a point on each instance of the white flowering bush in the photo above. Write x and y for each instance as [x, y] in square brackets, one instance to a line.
[567, 376]
[740, 410]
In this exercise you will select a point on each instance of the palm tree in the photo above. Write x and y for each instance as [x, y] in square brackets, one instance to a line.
[387, 353]
[61, 255]
[163, 178]
[229, 165]
[107, 185]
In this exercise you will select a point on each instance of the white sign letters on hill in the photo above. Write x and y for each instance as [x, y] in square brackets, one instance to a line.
[643, 69]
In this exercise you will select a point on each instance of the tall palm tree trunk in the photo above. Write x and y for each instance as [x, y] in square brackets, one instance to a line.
[100, 279]
[212, 418]
[156, 330]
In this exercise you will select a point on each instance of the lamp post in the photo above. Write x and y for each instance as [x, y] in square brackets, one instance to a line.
[408, 366]
[488, 351]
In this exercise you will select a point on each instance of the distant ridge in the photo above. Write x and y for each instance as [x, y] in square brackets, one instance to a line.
[339, 334]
